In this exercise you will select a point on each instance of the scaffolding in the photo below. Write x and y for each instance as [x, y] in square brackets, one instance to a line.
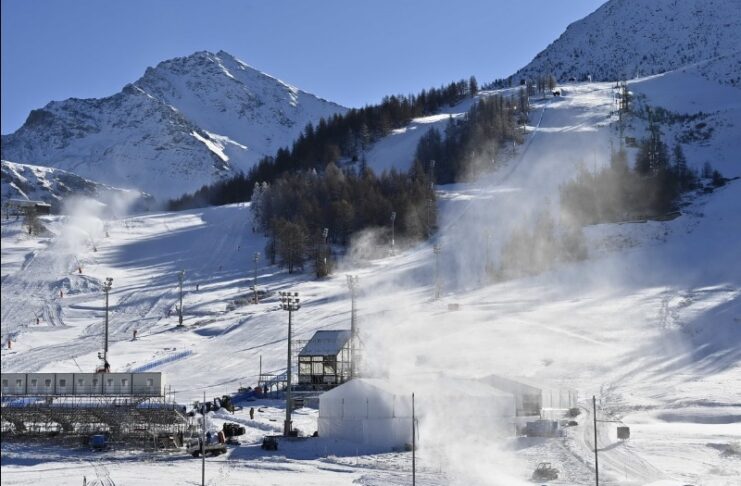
[147, 421]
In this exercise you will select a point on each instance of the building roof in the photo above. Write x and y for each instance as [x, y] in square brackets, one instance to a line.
[326, 343]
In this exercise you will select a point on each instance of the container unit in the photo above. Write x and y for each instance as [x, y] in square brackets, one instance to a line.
[82, 384]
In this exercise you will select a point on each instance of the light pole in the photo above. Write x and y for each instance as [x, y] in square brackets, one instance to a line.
[254, 275]
[393, 223]
[181, 277]
[414, 445]
[106, 288]
[289, 302]
[596, 463]
[325, 235]
[352, 284]
[203, 441]
[430, 201]
[436, 250]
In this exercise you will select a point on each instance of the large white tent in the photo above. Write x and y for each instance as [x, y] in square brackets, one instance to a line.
[367, 411]
[377, 413]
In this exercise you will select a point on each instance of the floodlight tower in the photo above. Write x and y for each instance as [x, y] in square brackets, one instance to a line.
[107, 285]
[181, 277]
[352, 284]
[256, 258]
[289, 302]
[393, 224]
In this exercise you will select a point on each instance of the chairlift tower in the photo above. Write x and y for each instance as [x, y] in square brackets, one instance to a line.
[289, 302]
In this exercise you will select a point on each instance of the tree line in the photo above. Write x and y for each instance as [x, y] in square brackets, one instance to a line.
[305, 214]
[650, 189]
[342, 136]
[472, 143]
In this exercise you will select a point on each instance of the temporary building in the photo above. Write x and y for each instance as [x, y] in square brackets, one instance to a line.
[533, 399]
[377, 413]
[367, 411]
[326, 359]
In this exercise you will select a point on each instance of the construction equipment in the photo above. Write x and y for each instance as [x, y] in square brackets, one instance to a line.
[545, 472]
[233, 430]
[213, 448]
[270, 442]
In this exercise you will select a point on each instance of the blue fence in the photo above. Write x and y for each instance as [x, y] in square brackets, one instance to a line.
[159, 362]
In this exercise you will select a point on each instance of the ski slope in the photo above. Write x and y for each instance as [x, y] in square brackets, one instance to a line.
[650, 323]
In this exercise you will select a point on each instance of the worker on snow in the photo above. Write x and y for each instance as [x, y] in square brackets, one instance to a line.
[197, 285]
[252, 413]
[134, 335]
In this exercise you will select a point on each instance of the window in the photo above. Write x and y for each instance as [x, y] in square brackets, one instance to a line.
[34, 383]
[5, 385]
[81, 382]
[47, 383]
[19, 385]
[109, 382]
[150, 382]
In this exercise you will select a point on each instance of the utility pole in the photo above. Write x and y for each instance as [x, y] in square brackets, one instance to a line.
[181, 277]
[203, 440]
[393, 223]
[106, 288]
[254, 276]
[352, 284]
[436, 250]
[289, 302]
[414, 445]
[596, 462]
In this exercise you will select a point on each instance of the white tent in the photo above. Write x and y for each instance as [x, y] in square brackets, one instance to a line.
[378, 413]
[367, 411]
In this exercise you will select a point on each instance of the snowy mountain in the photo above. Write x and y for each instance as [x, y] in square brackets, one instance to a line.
[624, 39]
[185, 123]
[23, 181]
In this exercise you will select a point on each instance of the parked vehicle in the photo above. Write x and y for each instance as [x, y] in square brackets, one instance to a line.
[545, 472]
[213, 448]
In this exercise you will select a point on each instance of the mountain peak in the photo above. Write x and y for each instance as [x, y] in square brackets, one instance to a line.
[624, 39]
[186, 122]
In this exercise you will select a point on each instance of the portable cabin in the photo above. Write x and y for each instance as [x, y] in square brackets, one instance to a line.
[148, 384]
[325, 360]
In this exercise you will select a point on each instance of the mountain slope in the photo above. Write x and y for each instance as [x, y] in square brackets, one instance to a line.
[631, 38]
[23, 181]
[185, 123]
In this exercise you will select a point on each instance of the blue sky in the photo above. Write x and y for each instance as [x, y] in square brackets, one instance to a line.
[351, 52]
